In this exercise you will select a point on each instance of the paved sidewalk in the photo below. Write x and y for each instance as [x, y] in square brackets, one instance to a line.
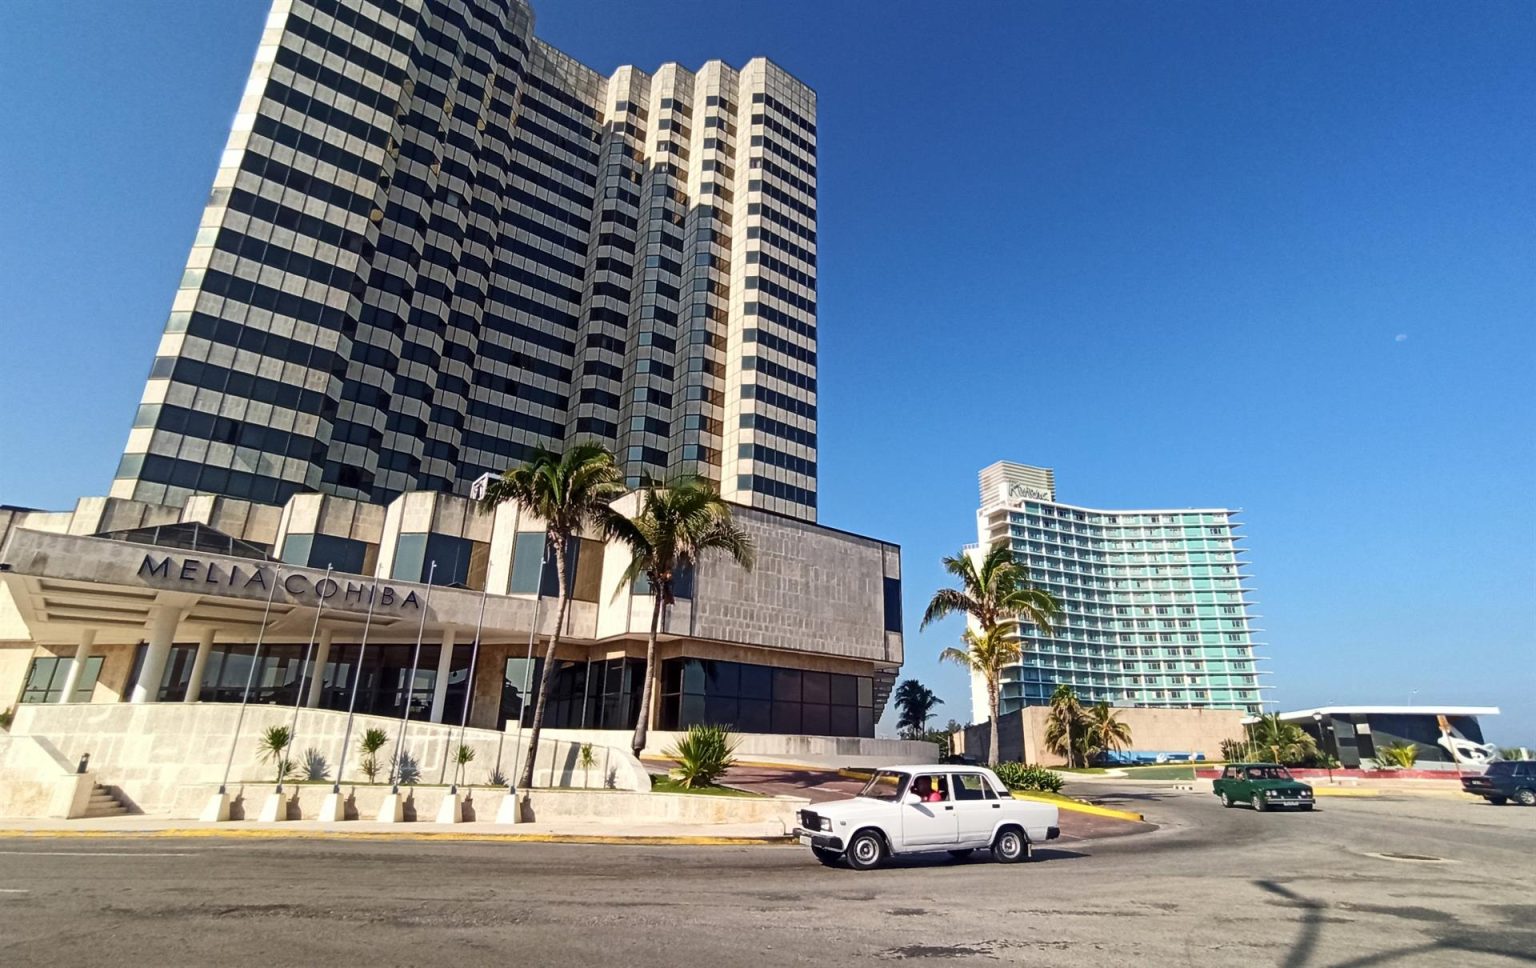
[594, 833]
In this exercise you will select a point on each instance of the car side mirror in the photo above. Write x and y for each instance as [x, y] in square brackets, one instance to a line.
[911, 799]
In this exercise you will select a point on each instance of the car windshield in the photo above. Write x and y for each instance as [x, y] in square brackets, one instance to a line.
[884, 785]
[1268, 773]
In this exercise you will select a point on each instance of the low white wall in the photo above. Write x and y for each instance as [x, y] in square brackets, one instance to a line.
[37, 781]
[149, 753]
[617, 806]
[788, 749]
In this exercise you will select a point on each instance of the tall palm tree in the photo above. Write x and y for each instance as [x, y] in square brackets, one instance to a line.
[916, 702]
[673, 526]
[987, 654]
[1104, 730]
[996, 591]
[570, 493]
[1064, 727]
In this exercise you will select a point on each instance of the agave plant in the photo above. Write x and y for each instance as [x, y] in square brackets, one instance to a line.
[702, 755]
[1403, 755]
[315, 767]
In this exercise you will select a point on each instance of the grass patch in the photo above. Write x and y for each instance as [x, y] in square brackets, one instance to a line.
[665, 784]
[1088, 770]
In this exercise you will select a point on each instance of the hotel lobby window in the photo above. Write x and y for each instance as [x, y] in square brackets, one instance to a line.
[595, 694]
[531, 574]
[45, 680]
[763, 699]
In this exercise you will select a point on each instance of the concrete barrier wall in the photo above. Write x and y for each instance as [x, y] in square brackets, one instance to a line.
[36, 781]
[150, 752]
[1021, 734]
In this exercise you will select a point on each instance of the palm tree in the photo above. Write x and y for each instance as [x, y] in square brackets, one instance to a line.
[995, 592]
[1104, 730]
[987, 654]
[570, 493]
[1281, 741]
[673, 526]
[916, 702]
[1064, 727]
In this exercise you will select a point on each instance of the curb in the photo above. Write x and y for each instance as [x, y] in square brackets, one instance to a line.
[192, 833]
[1076, 806]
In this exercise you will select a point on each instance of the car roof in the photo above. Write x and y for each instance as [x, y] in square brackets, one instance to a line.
[933, 768]
[1259, 764]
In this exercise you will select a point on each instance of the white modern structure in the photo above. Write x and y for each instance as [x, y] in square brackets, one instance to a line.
[1155, 611]
[1443, 735]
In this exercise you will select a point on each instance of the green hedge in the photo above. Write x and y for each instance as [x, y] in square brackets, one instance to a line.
[1022, 776]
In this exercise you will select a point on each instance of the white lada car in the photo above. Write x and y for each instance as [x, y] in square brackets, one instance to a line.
[923, 809]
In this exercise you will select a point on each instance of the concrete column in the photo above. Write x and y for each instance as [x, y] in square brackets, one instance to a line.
[162, 633]
[71, 677]
[440, 687]
[199, 663]
[317, 671]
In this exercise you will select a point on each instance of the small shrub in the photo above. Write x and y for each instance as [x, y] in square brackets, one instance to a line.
[5, 718]
[1235, 750]
[1022, 776]
[702, 755]
[1403, 755]
[315, 766]
[272, 746]
[497, 778]
[369, 745]
[587, 761]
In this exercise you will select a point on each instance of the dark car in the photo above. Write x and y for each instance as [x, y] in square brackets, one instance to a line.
[1504, 781]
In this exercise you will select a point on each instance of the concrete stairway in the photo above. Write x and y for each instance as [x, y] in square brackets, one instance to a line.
[104, 804]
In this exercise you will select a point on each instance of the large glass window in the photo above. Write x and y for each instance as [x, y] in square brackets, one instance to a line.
[585, 694]
[530, 573]
[764, 699]
[45, 680]
[461, 563]
[323, 550]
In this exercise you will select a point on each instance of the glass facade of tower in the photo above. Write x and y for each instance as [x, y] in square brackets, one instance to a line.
[1153, 608]
[435, 245]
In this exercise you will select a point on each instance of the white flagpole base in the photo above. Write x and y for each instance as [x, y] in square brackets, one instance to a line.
[392, 810]
[451, 810]
[274, 808]
[511, 809]
[217, 808]
[333, 809]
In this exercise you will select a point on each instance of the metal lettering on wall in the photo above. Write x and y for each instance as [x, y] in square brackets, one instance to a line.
[193, 571]
[1016, 490]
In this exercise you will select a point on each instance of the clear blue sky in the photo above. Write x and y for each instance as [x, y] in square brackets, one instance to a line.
[1279, 257]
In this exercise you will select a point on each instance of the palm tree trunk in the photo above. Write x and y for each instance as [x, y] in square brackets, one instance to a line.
[992, 751]
[646, 693]
[547, 680]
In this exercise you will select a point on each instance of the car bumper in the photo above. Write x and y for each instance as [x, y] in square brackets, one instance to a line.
[1288, 801]
[819, 840]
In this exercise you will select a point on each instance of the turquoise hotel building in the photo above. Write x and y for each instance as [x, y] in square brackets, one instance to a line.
[1156, 611]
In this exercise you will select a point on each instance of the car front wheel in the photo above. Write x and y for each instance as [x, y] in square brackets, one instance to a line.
[1258, 802]
[1010, 847]
[1526, 798]
[865, 851]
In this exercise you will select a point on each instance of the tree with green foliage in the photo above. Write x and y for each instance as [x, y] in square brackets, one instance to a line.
[673, 527]
[1103, 730]
[994, 592]
[987, 654]
[915, 703]
[1065, 728]
[1279, 741]
[570, 493]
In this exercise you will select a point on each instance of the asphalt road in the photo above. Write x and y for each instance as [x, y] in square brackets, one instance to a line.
[1213, 887]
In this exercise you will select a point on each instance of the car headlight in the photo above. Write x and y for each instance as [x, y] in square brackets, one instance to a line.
[826, 823]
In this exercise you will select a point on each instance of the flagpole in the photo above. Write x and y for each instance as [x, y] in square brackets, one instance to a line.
[357, 678]
[469, 687]
[410, 683]
[314, 629]
[533, 631]
[250, 675]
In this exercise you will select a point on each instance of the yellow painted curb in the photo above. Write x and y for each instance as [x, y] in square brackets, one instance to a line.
[1077, 806]
[265, 834]
[856, 774]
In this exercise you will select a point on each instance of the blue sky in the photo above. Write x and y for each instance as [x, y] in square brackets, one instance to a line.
[1279, 257]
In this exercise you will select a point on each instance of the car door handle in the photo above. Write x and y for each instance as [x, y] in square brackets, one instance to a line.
[997, 806]
[949, 808]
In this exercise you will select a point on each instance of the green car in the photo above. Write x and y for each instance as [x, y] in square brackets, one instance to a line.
[1263, 785]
